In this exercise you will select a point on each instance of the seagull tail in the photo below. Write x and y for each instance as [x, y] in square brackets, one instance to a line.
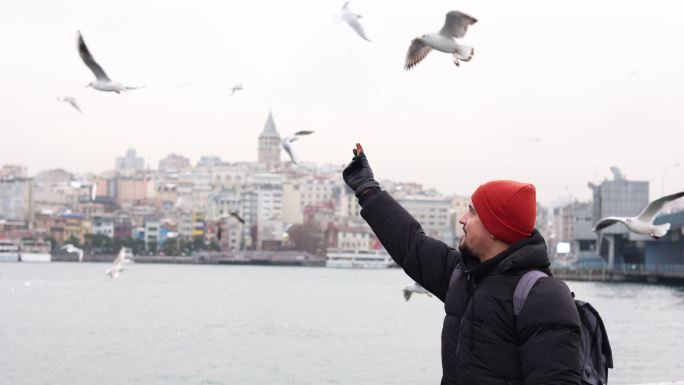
[463, 53]
[130, 88]
[661, 230]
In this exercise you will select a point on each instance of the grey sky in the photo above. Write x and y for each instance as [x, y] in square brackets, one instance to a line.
[600, 82]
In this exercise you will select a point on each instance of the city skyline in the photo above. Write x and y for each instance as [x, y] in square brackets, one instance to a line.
[551, 92]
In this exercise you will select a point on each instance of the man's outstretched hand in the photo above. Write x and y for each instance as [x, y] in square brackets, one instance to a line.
[358, 174]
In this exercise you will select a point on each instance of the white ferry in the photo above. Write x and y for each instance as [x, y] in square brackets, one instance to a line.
[9, 251]
[36, 251]
[365, 259]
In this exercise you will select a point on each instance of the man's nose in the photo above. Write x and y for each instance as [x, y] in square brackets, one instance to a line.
[462, 220]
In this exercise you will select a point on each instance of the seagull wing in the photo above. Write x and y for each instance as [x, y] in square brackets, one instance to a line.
[72, 101]
[89, 60]
[651, 210]
[288, 139]
[407, 294]
[119, 258]
[356, 26]
[289, 151]
[456, 24]
[237, 216]
[299, 133]
[416, 52]
[607, 221]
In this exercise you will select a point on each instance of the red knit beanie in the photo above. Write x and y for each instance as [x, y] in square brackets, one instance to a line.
[508, 209]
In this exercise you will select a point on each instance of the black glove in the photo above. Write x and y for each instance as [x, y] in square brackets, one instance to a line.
[358, 174]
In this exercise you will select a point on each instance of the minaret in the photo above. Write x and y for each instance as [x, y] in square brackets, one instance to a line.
[269, 144]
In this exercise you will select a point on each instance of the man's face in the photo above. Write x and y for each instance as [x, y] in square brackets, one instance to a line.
[476, 237]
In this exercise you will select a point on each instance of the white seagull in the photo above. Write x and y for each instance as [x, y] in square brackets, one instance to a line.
[235, 88]
[69, 248]
[102, 81]
[71, 100]
[353, 20]
[117, 266]
[287, 143]
[455, 26]
[643, 223]
[415, 288]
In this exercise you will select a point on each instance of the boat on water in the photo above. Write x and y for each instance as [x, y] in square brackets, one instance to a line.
[9, 251]
[364, 259]
[35, 251]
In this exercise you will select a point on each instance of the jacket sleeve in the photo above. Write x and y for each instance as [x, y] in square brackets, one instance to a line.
[549, 332]
[426, 260]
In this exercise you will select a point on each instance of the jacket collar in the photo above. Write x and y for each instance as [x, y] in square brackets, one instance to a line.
[527, 254]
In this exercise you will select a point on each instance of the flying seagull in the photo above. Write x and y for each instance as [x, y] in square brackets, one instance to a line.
[455, 26]
[414, 288]
[234, 214]
[643, 223]
[69, 248]
[237, 216]
[287, 143]
[353, 20]
[117, 266]
[71, 100]
[102, 81]
[235, 88]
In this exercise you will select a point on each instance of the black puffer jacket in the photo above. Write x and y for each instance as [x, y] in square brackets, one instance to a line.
[482, 341]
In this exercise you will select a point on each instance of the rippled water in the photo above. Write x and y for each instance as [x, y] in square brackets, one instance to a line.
[173, 324]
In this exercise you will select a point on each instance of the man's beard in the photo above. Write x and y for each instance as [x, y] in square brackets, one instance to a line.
[466, 251]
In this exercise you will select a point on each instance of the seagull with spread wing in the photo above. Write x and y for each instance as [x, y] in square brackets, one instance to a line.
[415, 288]
[235, 88]
[455, 26]
[69, 248]
[71, 100]
[352, 19]
[117, 266]
[287, 143]
[237, 216]
[102, 81]
[643, 223]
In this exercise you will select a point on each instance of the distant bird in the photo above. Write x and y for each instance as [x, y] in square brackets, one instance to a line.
[117, 266]
[235, 88]
[237, 216]
[534, 140]
[69, 248]
[70, 100]
[414, 288]
[455, 26]
[102, 81]
[353, 20]
[287, 143]
[643, 223]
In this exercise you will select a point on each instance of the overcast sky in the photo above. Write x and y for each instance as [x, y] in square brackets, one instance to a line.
[601, 83]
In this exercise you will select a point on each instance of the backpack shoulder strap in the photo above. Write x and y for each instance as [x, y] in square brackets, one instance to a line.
[522, 289]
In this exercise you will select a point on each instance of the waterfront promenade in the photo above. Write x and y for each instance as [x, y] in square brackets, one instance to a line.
[667, 274]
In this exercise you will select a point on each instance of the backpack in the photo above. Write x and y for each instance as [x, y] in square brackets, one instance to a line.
[595, 351]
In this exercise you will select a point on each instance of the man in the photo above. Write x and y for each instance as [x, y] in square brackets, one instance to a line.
[482, 341]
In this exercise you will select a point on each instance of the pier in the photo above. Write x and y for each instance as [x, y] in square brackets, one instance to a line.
[666, 274]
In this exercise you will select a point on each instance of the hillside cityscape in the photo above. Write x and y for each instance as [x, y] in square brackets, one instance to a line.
[215, 208]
